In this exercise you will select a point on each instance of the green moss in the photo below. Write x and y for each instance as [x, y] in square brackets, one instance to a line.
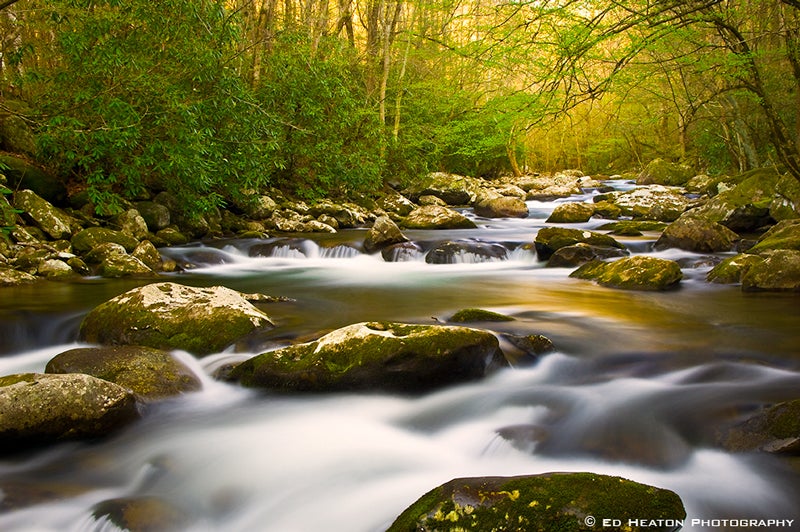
[732, 269]
[633, 273]
[477, 314]
[784, 235]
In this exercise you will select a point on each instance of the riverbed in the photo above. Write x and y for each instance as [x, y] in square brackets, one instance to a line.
[639, 386]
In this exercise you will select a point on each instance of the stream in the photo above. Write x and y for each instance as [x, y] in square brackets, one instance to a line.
[639, 386]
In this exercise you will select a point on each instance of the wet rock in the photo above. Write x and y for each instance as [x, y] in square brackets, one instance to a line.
[633, 227]
[403, 252]
[146, 252]
[468, 315]
[577, 254]
[392, 357]
[502, 207]
[778, 272]
[437, 217]
[37, 409]
[661, 172]
[774, 429]
[732, 269]
[571, 212]
[117, 266]
[172, 316]
[41, 213]
[141, 514]
[11, 277]
[550, 239]
[525, 350]
[384, 232]
[655, 202]
[745, 207]
[632, 273]
[87, 239]
[149, 373]
[551, 501]
[465, 251]
[155, 215]
[606, 209]
[282, 247]
[698, 235]
[55, 269]
[783, 235]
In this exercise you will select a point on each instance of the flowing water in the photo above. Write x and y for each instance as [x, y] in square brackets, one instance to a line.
[639, 386]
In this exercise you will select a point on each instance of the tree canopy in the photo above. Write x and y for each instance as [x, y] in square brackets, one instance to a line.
[209, 99]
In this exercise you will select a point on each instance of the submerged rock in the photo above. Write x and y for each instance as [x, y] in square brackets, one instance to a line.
[550, 239]
[141, 514]
[38, 409]
[477, 314]
[172, 316]
[552, 501]
[392, 357]
[149, 373]
[632, 273]
[437, 217]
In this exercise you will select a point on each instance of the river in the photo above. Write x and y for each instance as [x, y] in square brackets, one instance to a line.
[638, 387]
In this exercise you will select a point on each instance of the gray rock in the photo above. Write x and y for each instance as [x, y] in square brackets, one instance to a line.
[384, 232]
[49, 219]
[632, 273]
[123, 266]
[550, 239]
[437, 217]
[155, 215]
[571, 212]
[502, 207]
[84, 241]
[696, 234]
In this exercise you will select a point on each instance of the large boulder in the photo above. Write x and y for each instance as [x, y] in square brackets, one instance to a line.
[696, 234]
[149, 373]
[384, 232]
[786, 202]
[778, 272]
[571, 212]
[654, 202]
[632, 273]
[173, 316]
[396, 203]
[437, 217]
[465, 251]
[783, 235]
[451, 188]
[392, 357]
[11, 277]
[85, 240]
[732, 269]
[502, 207]
[43, 215]
[568, 502]
[155, 215]
[746, 206]
[37, 409]
[661, 172]
[550, 239]
[124, 265]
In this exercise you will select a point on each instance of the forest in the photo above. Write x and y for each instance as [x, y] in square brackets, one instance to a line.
[322, 98]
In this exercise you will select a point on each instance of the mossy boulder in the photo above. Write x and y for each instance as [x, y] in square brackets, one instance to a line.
[778, 272]
[437, 217]
[149, 373]
[451, 188]
[775, 428]
[468, 315]
[502, 207]
[572, 212]
[746, 206]
[155, 215]
[173, 316]
[141, 514]
[38, 211]
[392, 357]
[55, 269]
[661, 172]
[632, 273]
[654, 202]
[732, 269]
[633, 227]
[85, 240]
[117, 266]
[568, 502]
[698, 235]
[786, 203]
[783, 235]
[582, 253]
[550, 239]
[11, 277]
[37, 409]
[384, 232]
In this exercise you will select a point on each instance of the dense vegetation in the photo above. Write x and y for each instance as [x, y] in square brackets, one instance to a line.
[209, 99]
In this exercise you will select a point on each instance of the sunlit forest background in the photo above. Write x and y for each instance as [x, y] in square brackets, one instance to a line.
[209, 99]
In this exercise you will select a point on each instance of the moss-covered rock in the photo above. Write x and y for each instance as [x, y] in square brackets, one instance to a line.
[393, 357]
[384, 232]
[149, 373]
[468, 315]
[697, 234]
[774, 429]
[577, 254]
[525, 350]
[172, 316]
[146, 252]
[85, 240]
[142, 514]
[746, 206]
[451, 188]
[732, 269]
[632, 273]
[550, 239]
[571, 212]
[11, 277]
[661, 172]
[394, 202]
[117, 266]
[783, 235]
[778, 272]
[786, 203]
[55, 269]
[568, 502]
[654, 202]
[633, 227]
[43, 215]
[155, 215]
[37, 409]
[437, 217]
[502, 207]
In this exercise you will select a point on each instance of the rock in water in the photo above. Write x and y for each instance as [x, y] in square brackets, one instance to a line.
[633, 273]
[173, 316]
[569, 502]
[37, 409]
[392, 357]
[437, 217]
